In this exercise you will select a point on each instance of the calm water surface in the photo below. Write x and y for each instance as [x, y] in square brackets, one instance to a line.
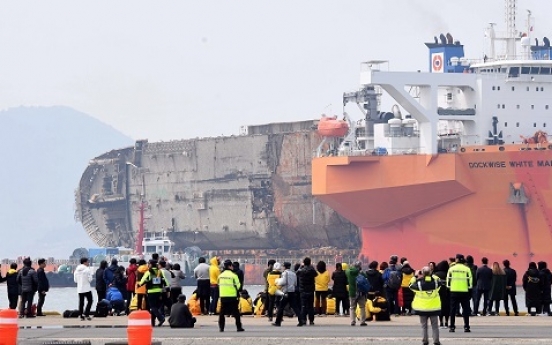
[60, 299]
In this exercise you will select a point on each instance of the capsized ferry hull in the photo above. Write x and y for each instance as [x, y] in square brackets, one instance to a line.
[429, 208]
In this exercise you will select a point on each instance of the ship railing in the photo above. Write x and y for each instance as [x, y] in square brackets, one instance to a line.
[330, 260]
[401, 134]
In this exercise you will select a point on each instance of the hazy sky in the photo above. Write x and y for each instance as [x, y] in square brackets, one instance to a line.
[176, 69]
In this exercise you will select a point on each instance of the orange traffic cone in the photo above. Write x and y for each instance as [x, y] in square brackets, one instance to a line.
[139, 328]
[8, 327]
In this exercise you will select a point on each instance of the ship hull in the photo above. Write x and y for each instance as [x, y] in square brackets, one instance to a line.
[248, 192]
[429, 208]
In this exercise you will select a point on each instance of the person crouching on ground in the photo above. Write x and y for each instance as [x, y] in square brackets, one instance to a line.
[427, 303]
[115, 297]
[181, 317]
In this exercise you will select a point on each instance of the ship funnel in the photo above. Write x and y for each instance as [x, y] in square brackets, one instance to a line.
[396, 111]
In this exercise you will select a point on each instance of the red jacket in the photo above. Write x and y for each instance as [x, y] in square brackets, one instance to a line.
[131, 277]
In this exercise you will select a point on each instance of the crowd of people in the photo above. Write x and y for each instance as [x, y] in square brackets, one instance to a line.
[304, 290]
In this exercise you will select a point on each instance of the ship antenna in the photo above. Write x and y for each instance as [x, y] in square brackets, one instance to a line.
[510, 14]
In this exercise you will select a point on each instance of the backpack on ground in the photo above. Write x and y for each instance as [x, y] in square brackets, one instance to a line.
[392, 278]
[362, 284]
[71, 313]
[102, 309]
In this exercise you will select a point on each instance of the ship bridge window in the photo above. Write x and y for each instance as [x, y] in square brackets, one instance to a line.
[517, 106]
[545, 70]
[535, 70]
[505, 124]
[494, 88]
[498, 88]
[513, 88]
[513, 72]
[517, 124]
[527, 88]
[525, 70]
[503, 106]
[546, 107]
[542, 88]
[532, 106]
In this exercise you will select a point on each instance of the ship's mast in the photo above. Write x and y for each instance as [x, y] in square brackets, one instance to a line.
[138, 245]
[511, 35]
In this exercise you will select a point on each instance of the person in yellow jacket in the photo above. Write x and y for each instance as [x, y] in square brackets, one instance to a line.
[246, 304]
[407, 294]
[321, 282]
[376, 309]
[194, 305]
[140, 292]
[229, 285]
[459, 282]
[155, 282]
[214, 272]
[272, 288]
[427, 303]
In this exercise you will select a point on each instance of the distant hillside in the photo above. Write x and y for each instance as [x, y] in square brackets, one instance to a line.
[44, 152]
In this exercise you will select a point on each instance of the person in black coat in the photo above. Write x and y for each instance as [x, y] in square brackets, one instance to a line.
[239, 273]
[473, 294]
[305, 278]
[375, 278]
[43, 286]
[101, 287]
[12, 285]
[484, 278]
[339, 288]
[511, 277]
[180, 316]
[546, 279]
[532, 285]
[441, 270]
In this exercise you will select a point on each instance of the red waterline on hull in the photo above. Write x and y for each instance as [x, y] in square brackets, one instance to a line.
[378, 244]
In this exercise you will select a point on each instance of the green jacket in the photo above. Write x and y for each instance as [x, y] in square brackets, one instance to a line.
[155, 284]
[228, 284]
[426, 296]
[352, 273]
[459, 278]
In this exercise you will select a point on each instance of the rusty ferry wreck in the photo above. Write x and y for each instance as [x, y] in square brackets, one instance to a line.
[463, 172]
[246, 197]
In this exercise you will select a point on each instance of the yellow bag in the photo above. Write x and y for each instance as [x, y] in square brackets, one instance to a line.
[330, 306]
[134, 303]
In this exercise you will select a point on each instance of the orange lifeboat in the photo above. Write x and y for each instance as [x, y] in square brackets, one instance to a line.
[332, 127]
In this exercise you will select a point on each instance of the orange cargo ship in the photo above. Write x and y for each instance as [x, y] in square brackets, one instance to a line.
[458, 174]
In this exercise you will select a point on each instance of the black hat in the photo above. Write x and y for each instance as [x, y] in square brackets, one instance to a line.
[181, 297]
[459, 256]
[227, 263]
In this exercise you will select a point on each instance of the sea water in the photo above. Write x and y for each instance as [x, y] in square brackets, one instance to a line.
[60, 299]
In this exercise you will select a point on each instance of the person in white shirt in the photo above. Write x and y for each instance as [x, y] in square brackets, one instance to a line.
[83, 277]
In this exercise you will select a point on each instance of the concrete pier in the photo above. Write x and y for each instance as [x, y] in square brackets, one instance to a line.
[327, 330]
